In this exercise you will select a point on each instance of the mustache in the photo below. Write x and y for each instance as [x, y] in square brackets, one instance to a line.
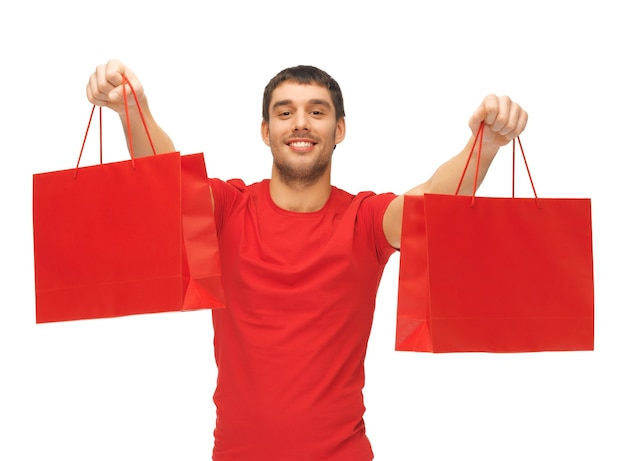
[302, 138]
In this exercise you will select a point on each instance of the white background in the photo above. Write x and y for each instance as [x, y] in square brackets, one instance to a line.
[140, 387]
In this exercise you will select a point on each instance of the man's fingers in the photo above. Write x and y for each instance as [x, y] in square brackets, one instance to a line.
[106, 86]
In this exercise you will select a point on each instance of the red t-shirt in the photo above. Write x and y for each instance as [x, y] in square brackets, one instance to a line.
[290, 345]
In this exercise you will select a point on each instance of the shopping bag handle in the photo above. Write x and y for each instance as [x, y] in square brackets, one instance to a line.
[125, 81]
[479, 140]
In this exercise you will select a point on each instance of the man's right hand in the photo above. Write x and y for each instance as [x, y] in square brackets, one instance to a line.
[106, 89]
[105, 86]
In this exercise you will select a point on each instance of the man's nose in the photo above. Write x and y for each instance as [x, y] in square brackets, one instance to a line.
[300, 122]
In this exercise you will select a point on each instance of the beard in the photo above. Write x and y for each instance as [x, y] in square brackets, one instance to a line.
[302, 175]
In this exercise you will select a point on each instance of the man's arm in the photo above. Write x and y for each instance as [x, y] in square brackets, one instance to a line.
[504, 120]
[105, 88]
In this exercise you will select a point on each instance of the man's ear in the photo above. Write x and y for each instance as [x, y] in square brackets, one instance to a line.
[340, 131]
[265, 132]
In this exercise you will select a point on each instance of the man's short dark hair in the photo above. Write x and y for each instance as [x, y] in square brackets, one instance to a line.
[305, 75]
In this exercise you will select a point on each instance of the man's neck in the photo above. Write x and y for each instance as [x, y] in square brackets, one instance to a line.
[298, 197]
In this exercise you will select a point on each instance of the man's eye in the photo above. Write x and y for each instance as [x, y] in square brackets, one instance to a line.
[285, 113]
[316, 112]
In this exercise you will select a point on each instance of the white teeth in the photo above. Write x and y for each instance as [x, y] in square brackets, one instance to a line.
[301, 144]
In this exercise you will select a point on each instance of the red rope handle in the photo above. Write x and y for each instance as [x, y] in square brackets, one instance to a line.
[479, 136]
[143, 120]
[480, 149]
[82, 148]
[513, 168]
[532, 184]
[100, 117]
[126, 111]
[479, 140]
[128, 130]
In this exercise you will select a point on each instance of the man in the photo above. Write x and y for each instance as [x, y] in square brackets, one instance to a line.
[302, 261]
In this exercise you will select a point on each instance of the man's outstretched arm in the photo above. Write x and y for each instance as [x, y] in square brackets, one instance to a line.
[106, 89]
[503, 120]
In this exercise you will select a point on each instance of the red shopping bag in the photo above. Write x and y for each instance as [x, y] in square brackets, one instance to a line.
[487, 274]
[125, 238]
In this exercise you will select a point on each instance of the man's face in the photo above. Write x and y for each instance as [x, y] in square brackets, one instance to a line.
[302, 132]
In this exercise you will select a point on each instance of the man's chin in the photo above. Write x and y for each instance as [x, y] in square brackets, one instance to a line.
[300, 175]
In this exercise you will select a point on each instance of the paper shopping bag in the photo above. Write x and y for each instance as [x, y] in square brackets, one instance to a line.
[118, 240]
[490, 274]
[124, 238]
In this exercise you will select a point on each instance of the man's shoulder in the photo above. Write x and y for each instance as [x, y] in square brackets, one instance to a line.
[363, 200]
[238, 184]
[362, 195]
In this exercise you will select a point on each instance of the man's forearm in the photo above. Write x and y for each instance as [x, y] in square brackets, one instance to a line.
[158, 142]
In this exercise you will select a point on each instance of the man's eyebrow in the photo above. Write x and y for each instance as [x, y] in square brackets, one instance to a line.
[314, 102]
[282, 102]
[319, 102]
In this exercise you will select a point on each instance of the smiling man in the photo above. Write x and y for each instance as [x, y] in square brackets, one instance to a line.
[302, 127]
[301, 264]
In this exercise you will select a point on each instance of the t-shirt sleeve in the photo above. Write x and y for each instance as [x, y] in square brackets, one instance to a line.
[226, 196]
[370, 220]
